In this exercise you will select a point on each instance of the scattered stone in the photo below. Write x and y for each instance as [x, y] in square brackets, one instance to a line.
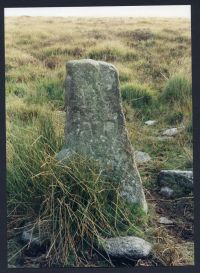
[164, 138]
[180, 181]
[141, 157]
[166, 191]
[173, 131]
[28, 237]
[32, 236]
[95, 124]
[183, 178]
[165, 221]
[127, 247]
[150, 122]
[170, 132]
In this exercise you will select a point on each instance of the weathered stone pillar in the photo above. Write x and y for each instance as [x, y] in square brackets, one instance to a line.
[95, 124]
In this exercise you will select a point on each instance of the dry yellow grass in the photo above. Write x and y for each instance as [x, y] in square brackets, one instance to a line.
[149, 54]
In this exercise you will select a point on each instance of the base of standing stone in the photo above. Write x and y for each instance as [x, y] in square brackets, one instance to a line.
[128, 193]
[64, 154]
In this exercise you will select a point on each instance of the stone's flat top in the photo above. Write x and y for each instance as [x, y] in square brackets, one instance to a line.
[89, 61]
[177, 172]
[128, 246]
[176, 179]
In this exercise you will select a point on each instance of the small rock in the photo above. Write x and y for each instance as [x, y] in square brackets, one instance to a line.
[32, 236]
[141, 157]
[176, 179]
[170, 132]
[29, 237]
[173, 131]
[127, 247]
[164, 138]
[165, 221]
[166, 191]
[150, 122]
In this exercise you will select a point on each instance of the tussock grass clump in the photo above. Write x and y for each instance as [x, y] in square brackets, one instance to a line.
[18, 58]
[16, 89]
[106, 54]
[175, 118]
[137, 95]
[111, 52]
[97, 35]
[26, 74]
[80, 207]
[27, 148]
[72, 205]
[75, 206]
[142, 34]
[17, 110]
[47, 90]
[74, 51]
[125, 73]
[177, 89]
[53, 89]
[52, 62]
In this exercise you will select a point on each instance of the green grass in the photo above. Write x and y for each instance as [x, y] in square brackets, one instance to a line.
[47, 90]
[177, 89]
[137, 95]
[74, 204]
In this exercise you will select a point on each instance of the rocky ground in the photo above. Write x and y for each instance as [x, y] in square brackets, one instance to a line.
[171, 223]
[174, 241]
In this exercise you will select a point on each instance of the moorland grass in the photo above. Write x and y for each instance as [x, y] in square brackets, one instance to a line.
[73, 204]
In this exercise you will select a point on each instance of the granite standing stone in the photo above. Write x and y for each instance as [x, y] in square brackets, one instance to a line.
[95, 124]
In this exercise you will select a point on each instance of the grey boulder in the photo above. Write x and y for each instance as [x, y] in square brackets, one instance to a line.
[141, 157]
[173, 131]
[127, 247]
[180, 181]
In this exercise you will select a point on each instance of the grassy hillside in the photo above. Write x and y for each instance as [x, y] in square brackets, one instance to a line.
[153, 57]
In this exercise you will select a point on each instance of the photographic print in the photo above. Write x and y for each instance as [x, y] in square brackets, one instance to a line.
[99, 136]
